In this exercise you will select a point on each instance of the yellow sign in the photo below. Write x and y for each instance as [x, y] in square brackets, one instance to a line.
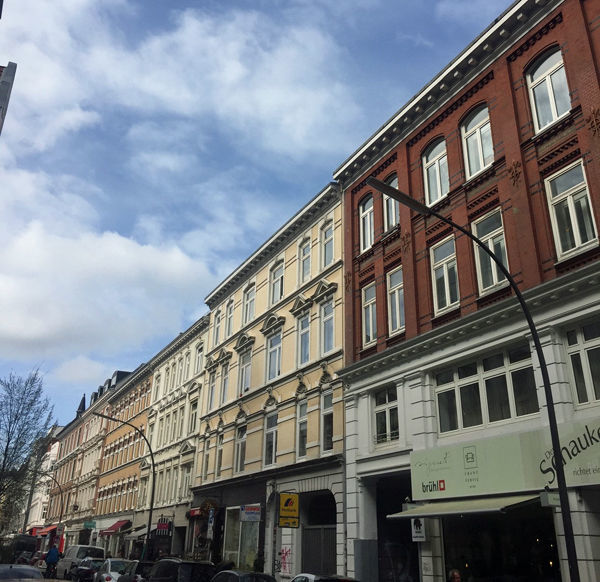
[289, 522]
[289, 510]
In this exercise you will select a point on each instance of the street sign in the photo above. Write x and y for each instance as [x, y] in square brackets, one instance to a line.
[289, 510]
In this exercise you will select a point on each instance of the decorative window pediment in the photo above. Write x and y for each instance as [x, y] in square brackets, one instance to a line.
[223, 357]
[144, 464]
[152, 412]
[207, 429]
[301, 304]
[243, 343]
[211, 363]
[271, 400]
[324, 291]
[241, 415]
[186, 447]
[271, 324]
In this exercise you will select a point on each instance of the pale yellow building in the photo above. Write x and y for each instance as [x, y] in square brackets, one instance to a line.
[272, 416]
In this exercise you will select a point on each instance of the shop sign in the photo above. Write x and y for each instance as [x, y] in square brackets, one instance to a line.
[417, 525]
[60, 529]
[250, 513]
[507, 464]
[89, 525]
[289, 510]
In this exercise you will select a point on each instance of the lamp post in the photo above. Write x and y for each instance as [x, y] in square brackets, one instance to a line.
[151, 508]
[420, 208]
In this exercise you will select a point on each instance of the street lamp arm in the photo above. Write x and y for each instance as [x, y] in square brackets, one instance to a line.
[556, 449]
[151, 508]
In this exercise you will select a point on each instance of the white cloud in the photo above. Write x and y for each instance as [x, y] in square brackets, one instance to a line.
[468, 12]
[81, 371]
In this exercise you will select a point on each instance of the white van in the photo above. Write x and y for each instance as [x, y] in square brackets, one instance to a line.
[72, 556]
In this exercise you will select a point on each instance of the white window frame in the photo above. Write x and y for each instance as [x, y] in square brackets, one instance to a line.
[212, 387]
[369, 315]
[439, 163]
[477, 132]
[391, 206]
[241, 433]
[327, 325]
[224, 382]
[219, 455]
[206, 459]
[244, 371]
[395, 297]
[229, 318]
[304, 261]
[385, 405]
[270, 437]
[302, 429]
[366, 222]
[249, 300]
[495, 241]
[327, 242]
[303, 337]
[186, 370]
[326, 421]
[583, 349]
[276, 282]
[570, 195]
[446, 264]
[545, 80]
[199, 359]
[193, 420]
[274, 351]
[217, 328]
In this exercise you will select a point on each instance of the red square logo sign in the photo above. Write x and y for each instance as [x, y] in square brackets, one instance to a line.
[442, 485]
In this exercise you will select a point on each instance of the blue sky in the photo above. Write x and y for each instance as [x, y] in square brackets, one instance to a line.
[151, 145]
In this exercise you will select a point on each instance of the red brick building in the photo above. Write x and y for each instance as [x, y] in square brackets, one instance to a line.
[505, 141]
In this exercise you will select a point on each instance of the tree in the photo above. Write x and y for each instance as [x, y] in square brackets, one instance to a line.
[25, 418]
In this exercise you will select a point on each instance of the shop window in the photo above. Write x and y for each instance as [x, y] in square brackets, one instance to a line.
[369, 315]
[548, 89]
[497, 387]
[385, 408]
[302, 428]
[240, 543]
[303, 339]
[365, 214]
[327, 421]
[435, 172]
[583, 347]
[444, 275]
[391, 206]
[477, 141]
[570, 212]
[395, 291]
[270, 439]
[491, 233]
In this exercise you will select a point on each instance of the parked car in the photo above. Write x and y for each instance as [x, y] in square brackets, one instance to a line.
[72, 556]
[19, 572]
[239, 576]
[321, 578]
[178, 570]
[136, 571]
[23, 557]
[86, 569]
[111, 569]
[38, 561]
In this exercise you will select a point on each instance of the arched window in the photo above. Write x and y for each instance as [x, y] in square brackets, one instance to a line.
[435, 171]
[365, 212]
[477, 141]
[391, 207]
[548, 89]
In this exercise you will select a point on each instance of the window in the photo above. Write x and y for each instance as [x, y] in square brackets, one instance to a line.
[369, 309]
[166, 386]
[327, 244]
[302, 428]
[327, 421]
[391, 207]
[249, 296]
[224, 382]
[244, 371]
[386, 415]
[186, 480]
[327, 331]
[444, 275]
[277, 282]
[167, 427]
[494, 388]
[180, 371]
[217, 328]
[199, 362]
[181, 422]
[206, 459]
[271, 439]
[274, 356]
[435, 171]
[219, 456]
[489, 230]
[395, 290]
[365, 213]
[583, 347]
[303, 339]
[174, 426]
[186, 370]
[193, 417]
[212, 382]
[173, 372]
[304, 260]
[229, 319]
[240, 449]
[548, 89]
[572, 222]
[477, 141]
[156, 388]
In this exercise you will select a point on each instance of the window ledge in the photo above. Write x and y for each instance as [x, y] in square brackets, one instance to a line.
[548, 131]
[576, 253]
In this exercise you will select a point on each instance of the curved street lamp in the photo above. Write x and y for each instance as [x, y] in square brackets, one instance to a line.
[565, 511]
[151, 508]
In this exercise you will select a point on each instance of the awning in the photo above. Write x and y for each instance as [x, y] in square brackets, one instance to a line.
[115, 527]
[466, 506]
[139, 533]
[45, 530]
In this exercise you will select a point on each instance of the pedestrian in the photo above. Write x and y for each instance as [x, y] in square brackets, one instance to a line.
[51, 560]
[454, 575]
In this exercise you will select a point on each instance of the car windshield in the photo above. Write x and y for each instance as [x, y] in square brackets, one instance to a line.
[118, 565]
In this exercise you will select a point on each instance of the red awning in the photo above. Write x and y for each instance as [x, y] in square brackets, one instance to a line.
[45, 530]
[115, 527]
